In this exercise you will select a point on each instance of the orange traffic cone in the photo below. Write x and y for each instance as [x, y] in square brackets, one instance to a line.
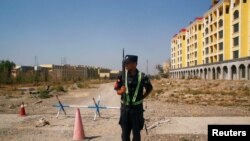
[78, 127]
[22, 110]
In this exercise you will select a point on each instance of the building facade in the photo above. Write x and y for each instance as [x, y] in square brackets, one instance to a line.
[70, 72]
[215, 46]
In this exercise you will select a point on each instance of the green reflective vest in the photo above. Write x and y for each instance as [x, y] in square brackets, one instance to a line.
[133, 102]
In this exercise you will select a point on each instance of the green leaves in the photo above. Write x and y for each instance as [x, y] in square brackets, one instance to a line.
[5, 71]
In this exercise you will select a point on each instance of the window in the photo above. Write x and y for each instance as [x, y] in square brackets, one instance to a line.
[207, 50]
[206, 30]
[195, 54]
[207, 21]
[188, 56]
[188, 48]
[207, 40]
[221, 46]
[227, 10]
[221, 12]
[184, 37]
[236, 27]
[220, 23]
[195, 45]
[236, 14]
[199, 27]
[195, 62]
[244, 1]
[236, 41]
[236, 54]
[220, 34]
[207, 60]
[221, 57]
[195, 37]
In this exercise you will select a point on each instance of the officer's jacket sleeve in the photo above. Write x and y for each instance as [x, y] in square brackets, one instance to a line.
[147, 84]
[118, 83]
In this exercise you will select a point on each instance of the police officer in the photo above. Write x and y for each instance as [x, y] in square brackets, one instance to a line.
[131, 117]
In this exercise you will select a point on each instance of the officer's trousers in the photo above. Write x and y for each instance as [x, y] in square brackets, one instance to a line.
[131, 119]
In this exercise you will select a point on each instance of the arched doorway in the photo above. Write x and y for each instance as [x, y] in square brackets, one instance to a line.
[209, 73]
[201, 73]
[233, 73]
[248, 71]
[182, 74]
[218, 73]
[186, 74]
[225, 73]
[194, 73]
[197, 73]
[205, 73]
[213, 74]
[242, 72]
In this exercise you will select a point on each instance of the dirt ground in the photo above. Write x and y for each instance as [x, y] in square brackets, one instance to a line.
[180, 102]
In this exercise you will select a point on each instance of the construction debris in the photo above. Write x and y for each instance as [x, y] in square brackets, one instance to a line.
[158, 123]
[37, 102]
[12, 106]
[42, 122]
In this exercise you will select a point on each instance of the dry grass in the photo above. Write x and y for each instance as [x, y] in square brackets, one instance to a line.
[13, 91]
[222, 93]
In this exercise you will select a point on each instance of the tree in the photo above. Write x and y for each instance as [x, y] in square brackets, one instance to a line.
[159, 68]
[161, 71]
[5, 71]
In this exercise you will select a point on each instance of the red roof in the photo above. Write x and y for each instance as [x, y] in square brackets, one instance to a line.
[183, 30]
[198, 18]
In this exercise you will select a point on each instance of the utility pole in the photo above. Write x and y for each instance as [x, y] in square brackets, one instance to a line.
[147, 67]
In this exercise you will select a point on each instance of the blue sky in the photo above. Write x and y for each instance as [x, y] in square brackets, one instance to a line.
[93, 32]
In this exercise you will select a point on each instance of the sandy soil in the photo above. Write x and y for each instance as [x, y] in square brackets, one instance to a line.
[158, 107]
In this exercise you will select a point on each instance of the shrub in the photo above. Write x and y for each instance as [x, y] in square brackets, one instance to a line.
[43, 93]
[60, 88]
[83, 85]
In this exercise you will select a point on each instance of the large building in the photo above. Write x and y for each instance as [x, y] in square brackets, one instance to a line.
[216, 45]
[69, 72]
